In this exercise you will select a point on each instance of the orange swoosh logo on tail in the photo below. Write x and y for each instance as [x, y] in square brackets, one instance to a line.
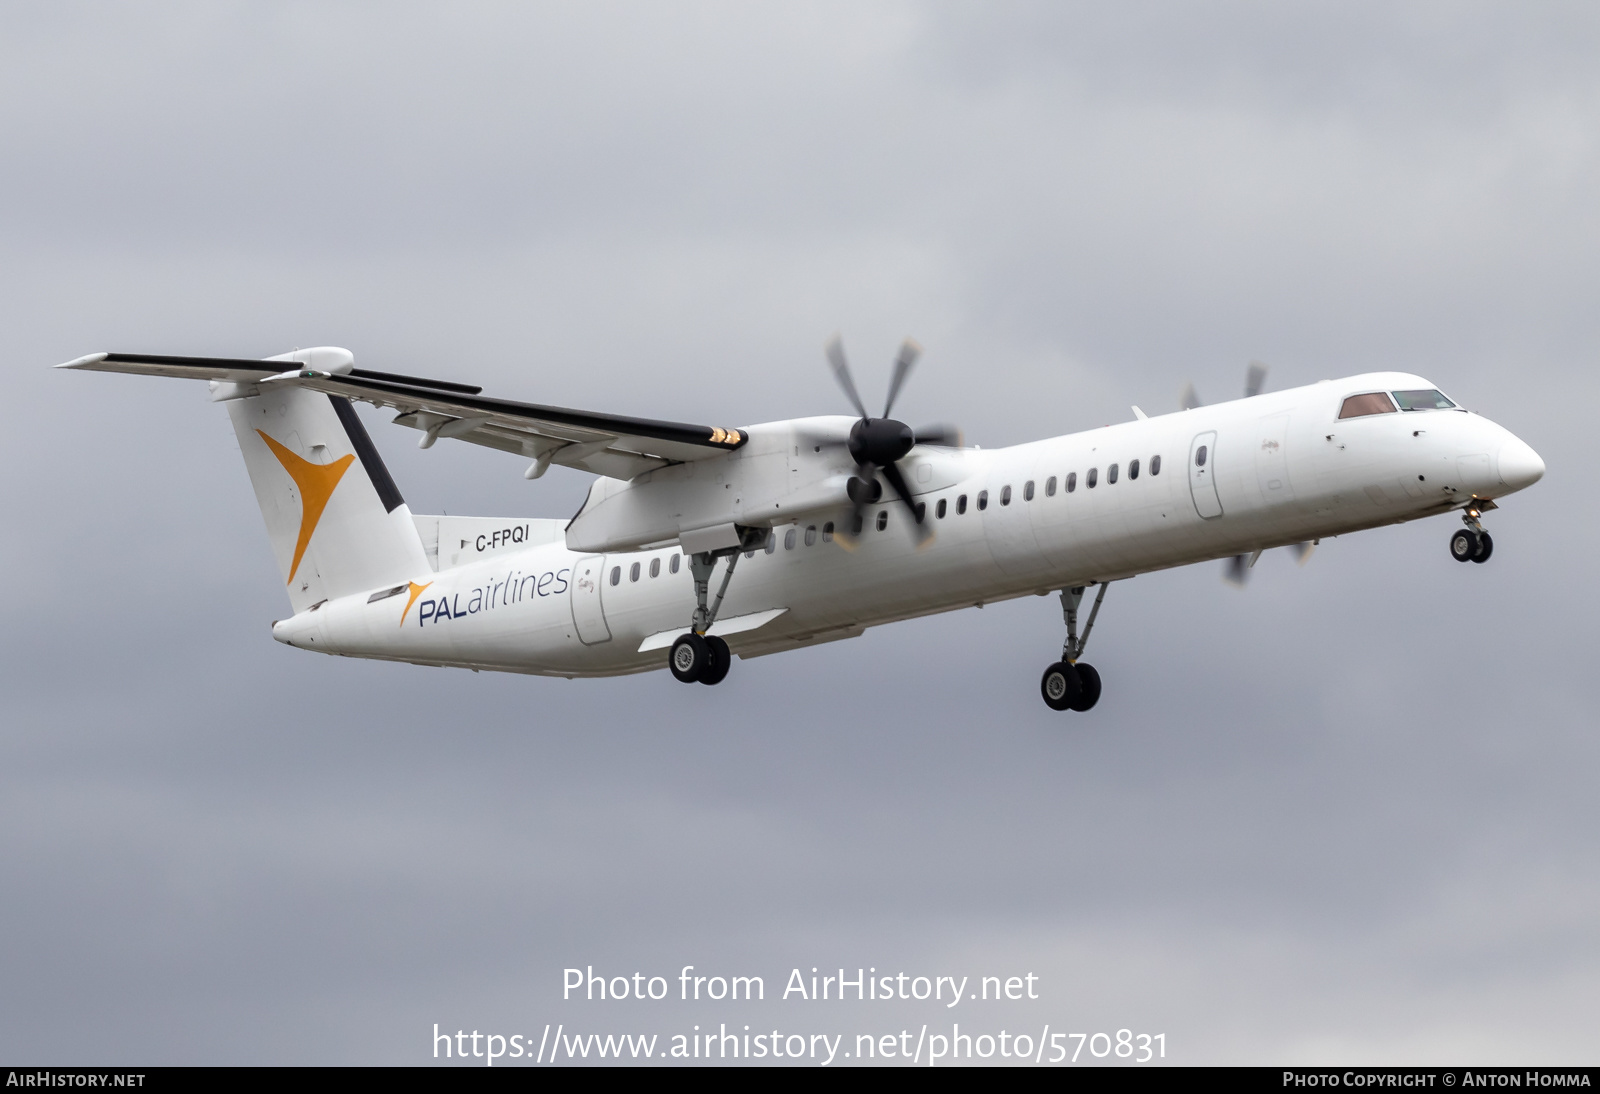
[316, 482]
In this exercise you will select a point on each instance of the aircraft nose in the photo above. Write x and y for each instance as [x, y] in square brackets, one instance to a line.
[1518, 464]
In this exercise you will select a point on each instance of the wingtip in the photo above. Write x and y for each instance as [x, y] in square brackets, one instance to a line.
[84, 362]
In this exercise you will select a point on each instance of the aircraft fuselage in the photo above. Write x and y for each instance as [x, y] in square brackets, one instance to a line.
[1074, 510]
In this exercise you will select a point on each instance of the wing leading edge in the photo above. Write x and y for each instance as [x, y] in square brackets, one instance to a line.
[604, 444]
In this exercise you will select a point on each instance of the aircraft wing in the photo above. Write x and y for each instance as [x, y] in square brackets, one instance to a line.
[604, 444]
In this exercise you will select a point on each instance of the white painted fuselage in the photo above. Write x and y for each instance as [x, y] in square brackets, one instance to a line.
[1279, 468]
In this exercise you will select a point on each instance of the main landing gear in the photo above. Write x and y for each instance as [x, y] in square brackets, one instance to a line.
[1472, 543]
[1070, 684]
[698, 657]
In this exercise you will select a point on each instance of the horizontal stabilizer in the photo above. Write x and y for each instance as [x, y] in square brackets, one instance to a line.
[234, 370]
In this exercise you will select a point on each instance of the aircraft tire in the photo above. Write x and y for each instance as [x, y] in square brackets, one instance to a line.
[689, 657]
[1485, 548]
[1091, 688]
[1463, 546]
[719, 661]
[1060, 686]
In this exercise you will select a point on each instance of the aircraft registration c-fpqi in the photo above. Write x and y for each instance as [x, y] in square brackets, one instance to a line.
[844, 522]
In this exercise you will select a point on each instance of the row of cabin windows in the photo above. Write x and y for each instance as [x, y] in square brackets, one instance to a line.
[673, 565]
[790, 538]
[1091, 480]
[770, 545]
[792, 535]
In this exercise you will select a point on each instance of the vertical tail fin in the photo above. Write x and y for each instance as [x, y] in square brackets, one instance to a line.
[336, 521]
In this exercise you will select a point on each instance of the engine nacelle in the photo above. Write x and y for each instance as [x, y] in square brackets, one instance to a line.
[783, 471]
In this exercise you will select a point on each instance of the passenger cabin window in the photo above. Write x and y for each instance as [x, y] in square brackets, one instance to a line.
[1050, 487]
[1094, 477]
[1111, 473]
[1421, 400]
[633, 572]
[1200, 456]
[1027, 490]
[855, 526]
[1133, 469]
[827, 533]
[1072, 481]
[655, 566]
[791, 535]
[772, 541]
[811, 533]
[883, 519]
[961, 505]
[983, 499]
[677, 560]
[922, 511]
[1155, 465]
[616, 574]
[1359, 406]
[1005, 495]
[938, 510]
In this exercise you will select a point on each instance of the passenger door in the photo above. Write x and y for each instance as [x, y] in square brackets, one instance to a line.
[588, 613]
[1202, 476]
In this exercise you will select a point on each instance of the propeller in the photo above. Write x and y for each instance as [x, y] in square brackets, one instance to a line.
[1255, 378]
[878, 444]
[1237, 569]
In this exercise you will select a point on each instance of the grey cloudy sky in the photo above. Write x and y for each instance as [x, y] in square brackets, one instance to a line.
[1344, 816]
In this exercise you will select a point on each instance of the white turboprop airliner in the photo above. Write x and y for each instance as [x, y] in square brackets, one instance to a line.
[625, 585]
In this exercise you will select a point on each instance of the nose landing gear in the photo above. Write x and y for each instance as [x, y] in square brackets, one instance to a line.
[1472, 543]
[1070, 684]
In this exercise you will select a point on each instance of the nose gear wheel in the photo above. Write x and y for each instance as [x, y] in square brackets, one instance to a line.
[1472, 543]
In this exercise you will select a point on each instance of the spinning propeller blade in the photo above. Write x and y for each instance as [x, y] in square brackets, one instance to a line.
[896, 480]
[1237, 569]
[841, 372]
[909, 352]
[1254, 377]
[940, 435]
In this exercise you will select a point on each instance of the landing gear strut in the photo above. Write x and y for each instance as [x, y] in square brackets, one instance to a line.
[1070, 684]
[697, 656]
[1472, 543]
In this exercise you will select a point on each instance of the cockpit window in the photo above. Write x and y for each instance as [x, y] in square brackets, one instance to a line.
[1428, 399]
[1359, 406]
